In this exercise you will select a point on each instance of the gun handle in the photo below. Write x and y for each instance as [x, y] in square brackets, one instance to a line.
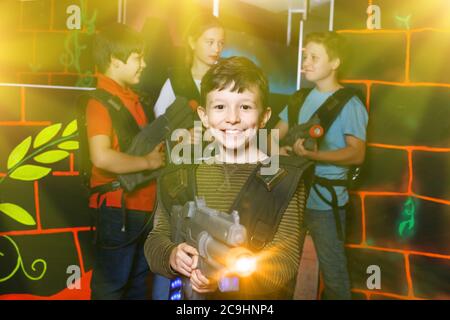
[189, 293]
[309, 144]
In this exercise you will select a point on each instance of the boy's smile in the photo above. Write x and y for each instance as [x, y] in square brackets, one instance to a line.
[316, 63]
[233, 118]
[129, 73]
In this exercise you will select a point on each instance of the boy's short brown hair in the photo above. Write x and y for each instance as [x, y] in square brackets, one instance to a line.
[240, 72]
[333, 43]
[116, 40]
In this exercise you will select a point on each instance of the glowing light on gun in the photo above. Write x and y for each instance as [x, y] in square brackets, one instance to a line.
[245, 266]
[176, 284]
[242, 265]
[175, 296]
[316, 131]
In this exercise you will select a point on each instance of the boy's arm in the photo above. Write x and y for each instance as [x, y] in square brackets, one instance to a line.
[163, 256]
[352, 154]
[99, 128]
[158, 246]
[106, 158]
[353, 120]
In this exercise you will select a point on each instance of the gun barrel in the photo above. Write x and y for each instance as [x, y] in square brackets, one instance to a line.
[222, 226]
[309, 130]
[225, 259]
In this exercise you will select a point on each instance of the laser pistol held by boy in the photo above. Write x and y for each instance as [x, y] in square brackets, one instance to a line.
[219, 239]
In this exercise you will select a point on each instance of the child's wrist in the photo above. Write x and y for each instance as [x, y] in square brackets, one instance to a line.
[312, 155]
[172, 260]
[150, 164]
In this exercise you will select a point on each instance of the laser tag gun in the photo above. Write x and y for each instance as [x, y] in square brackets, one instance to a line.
[310, 131]
[177, 116]
[219, 238]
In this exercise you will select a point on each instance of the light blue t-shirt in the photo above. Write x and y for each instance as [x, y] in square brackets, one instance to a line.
[351, 121]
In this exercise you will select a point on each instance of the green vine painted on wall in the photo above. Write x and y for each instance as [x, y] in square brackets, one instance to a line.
[20, 265]
[406, 227]
[404, 21]
[73, 48]
[46, 149]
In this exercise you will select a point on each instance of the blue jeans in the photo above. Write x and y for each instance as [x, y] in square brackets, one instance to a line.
[161, 287]
[330, 251]
[120, 273]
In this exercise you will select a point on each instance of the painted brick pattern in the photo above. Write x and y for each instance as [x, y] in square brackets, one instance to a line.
[406, 171]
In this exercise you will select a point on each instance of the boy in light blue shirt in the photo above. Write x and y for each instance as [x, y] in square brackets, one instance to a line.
[351, 121]
[343, 146]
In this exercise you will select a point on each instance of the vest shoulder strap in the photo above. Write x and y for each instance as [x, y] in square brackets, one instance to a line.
[147, 102]
[122, 120]
[333, 106]
[295, 103]
[183, 84]
[177, 185]
[263, 199]
[84, 161]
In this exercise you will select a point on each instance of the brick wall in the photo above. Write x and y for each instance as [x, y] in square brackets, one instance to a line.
[403, 70]
[39, 49]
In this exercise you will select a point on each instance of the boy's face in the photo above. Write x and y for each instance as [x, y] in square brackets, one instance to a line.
[208, 46]
[131, 71]
[233, 118]
[316, 63]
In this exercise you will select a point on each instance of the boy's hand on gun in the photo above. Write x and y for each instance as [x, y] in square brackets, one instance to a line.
[183, 258]
[202, 284]
[300, 150]
[156, 158]
[285, 150]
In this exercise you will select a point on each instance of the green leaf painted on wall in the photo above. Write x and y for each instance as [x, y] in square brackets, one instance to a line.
[19, 153]
[71, 128]
[402, 227]
[51, 156]
[29, 172]
[46, 135]
[69, 145]
[406, 227]
[17, 213]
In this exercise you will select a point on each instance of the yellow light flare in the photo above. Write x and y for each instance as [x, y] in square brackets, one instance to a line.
[241, 262]
[245, 265]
